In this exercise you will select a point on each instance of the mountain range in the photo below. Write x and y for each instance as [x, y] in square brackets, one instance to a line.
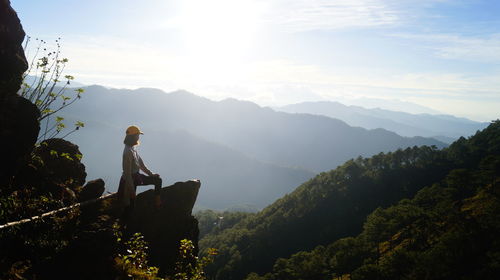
[445, 128]
[243, 153]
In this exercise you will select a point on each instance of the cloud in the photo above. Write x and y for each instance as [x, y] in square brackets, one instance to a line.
[118, 63]
[306, 15]
[484, 48]
[310, 15]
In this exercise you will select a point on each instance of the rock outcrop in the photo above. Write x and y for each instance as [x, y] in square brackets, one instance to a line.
[54, 168]
[90, 253]
[165, 227]
[61, 163]
[12, 59]
[92, 189]
[19, 125]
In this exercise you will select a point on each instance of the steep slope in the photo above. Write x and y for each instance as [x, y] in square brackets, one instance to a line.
[449, 230]
[335, 204]
[312, 142]
[405, 124]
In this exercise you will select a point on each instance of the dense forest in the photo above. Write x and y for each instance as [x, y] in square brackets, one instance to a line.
[391, 216]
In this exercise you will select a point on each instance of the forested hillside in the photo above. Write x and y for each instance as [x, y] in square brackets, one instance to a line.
[335, 205]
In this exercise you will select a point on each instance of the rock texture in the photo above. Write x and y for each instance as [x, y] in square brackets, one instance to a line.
[93, 189]
[18, 117]
[165, 227]
[61, 166]
[55, 168]
[12, 60]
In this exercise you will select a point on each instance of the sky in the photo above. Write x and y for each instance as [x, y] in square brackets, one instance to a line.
[442, 54]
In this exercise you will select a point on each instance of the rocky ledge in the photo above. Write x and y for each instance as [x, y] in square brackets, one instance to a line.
[163, 228]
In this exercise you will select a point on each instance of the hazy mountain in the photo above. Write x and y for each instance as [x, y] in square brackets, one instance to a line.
[442, 127]
[243, 153]
[229, 178]
[387, 104]
[316, 143]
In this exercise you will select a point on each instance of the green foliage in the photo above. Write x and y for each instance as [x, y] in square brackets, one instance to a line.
[68, 156]
[132, 262]
[189, 266]
[46, 90]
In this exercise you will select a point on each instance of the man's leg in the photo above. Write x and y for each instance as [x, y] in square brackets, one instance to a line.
[151, 180]
[156, 181]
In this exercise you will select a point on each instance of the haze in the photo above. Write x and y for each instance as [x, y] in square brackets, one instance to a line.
[440, 54]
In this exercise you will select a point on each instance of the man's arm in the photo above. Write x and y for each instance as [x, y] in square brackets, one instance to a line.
[143, 166]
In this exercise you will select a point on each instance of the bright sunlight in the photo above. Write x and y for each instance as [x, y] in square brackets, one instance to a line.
[218, 36]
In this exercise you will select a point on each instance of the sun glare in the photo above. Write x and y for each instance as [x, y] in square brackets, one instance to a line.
[217, 36]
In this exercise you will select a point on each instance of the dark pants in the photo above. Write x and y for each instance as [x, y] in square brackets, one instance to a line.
[143, 180]
[139, 180]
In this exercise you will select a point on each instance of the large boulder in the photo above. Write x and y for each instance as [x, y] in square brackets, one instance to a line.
[12, 59]
[19, 129]
[164, 228]
[55, 168]
[92, 189]
[19, 125]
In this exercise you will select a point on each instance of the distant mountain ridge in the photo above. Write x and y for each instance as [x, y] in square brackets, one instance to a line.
[442, 127]
[290, 143]
[387, 104]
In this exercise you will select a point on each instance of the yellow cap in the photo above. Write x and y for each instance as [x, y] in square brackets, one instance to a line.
[133, 129]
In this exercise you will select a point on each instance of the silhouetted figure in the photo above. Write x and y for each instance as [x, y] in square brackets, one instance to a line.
[131, 178]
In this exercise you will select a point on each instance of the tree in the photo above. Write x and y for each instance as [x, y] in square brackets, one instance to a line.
[42, 86]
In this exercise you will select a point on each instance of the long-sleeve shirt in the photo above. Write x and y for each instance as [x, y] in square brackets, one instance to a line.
[132, 163]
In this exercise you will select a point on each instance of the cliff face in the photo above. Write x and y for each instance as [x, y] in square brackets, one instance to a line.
[18, 117]
[93, 246]
[165, 227]
[12, 56]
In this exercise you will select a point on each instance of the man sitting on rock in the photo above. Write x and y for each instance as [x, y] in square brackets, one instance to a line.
[131, 178]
